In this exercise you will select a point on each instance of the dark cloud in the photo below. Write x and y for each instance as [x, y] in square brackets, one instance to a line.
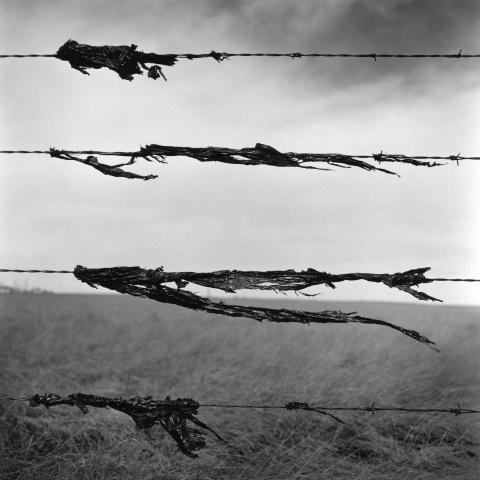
[402, 26]
[357, 24]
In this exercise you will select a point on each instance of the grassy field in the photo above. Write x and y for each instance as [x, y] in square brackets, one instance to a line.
[110, 345]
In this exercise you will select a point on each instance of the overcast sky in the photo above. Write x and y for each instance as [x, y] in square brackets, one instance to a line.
[57, 214]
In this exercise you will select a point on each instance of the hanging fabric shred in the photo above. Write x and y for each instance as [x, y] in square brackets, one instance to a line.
[146, 412]
[125, 60]
[150, 284]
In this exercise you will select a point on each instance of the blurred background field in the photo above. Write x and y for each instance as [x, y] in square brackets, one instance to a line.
[111, 345]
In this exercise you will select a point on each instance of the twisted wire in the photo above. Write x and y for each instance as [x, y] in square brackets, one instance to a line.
[7, 270]
[225, 55]
[454, 279]
[29, 55]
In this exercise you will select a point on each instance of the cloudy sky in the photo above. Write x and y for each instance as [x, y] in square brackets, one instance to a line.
[56, 214]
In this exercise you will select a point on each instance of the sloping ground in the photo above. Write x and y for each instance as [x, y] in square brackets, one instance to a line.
[110, 345]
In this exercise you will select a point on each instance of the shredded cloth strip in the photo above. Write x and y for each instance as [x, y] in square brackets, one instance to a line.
[174, 415]
[260, 154]
[127, 61]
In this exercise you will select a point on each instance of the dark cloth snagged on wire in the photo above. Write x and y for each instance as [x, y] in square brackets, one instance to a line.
[260, 154]
[291, 280]
[110, 170]
[126, 60]
[146, 412]
[139, 282]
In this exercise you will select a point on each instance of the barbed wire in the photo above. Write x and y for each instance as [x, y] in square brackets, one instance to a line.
[127, 61]
[17, 270]
[260, 154]
[29, 55]
[220, 56]
[173, 415]
[294, 405]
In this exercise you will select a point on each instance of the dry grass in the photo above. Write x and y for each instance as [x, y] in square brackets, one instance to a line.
[111, 345]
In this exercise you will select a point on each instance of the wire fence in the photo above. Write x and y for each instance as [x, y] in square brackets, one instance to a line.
[174, 416]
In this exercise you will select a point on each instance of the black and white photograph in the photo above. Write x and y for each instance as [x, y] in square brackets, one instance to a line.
[240, 239]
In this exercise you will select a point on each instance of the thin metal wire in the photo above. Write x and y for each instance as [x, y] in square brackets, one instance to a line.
[7, 270]
[29, 55]
[454, 279]
[26, 151]
[129, 154]
[20, 399]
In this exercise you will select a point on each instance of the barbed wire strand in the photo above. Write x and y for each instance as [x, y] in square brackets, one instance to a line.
[129, 154]
[372, 408]
[127, 61]
[219, 56]
[7, 270]
[30, 55]
[454, 279]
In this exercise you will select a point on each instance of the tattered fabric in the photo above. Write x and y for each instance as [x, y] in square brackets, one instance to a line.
[146, 412]
[149, 283]
[125, 60]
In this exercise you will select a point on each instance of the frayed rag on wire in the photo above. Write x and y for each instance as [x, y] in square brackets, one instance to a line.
[125, 60]
[260, 154]
[172, 415]
[105, 168]
[139, 282]
[290, 280]
[146, 412]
